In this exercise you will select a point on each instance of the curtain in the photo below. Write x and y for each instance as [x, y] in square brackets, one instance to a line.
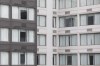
[62, 41]
[74, 60]
[30, 59]
[15, 35]
[97, 19]
[96, 2]
[74, 3]
[97, 39]
[90, 38]
[4, 11]
[31, 36]
[31, 14]
[43, 3]
[4, 58]
[42, 40]
[84, 59]
[83, 40]
[42, 59]
[14, 58]
[4, 34]
[97, 59]
[82, 2]
[83, 20]
[61, 22]
[89, 2]
[68, 3]
[74, 40]
[15, 12]
[42, 20]
[62, 59]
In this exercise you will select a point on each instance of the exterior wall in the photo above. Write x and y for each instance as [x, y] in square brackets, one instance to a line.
[49, 50]
[18, 24]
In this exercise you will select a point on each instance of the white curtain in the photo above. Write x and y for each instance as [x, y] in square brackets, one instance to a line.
[42, 40]
[61, 22]
[4, 34]
[42, 59]
[4, 58]
[74, 3]
[89, 2]
[62, 41]
[42, 21]
[84, 59]
[15, 58]
[62, 59]
[68, 3]
[74, 60]
[96, 2]
[31, 36]
[82, 2]
[83, 20]
[97, 59]
[42, 3]
[83, 40]
[97, 19]
[74, 40]
[30, 59]
[62, 4]
[97, 39]
[4, 11]
[90, 38]
[31, 14]
[15, 12]
[15, 35]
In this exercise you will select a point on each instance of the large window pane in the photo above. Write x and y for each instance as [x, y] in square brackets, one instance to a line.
[62, 60]
[97, 19]
[97, 39]
[61, 22]
[62, 4]
[62, 41]
[82, 2]
[89, 2]
[43, 3]
[90, 38]
[83, 40]
[83, 20]
[4, 34]
[83, 59]
[15, 12]
[68, 3]
[4, 58]
[74, 3]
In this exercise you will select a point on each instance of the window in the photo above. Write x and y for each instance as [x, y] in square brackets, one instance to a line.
[41, 3]
[70, 21]
[41, 40]
[22, 58]
[90, 39]
[66, 59]
[4, 34]
[4, 57]
[90, 59]
[23, 35]
[89, 2]
[54, 59]
[70, 40]
[54, 22]
[54, 4]
[41, 21]
[4, 11]
[54, 40]
[23, 13]
[90, 19]
[67, 4]
[69, 60]
[61, 22]
[41, 59]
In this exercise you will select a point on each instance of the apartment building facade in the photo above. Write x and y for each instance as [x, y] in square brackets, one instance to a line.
[18, 30]
[68, 32]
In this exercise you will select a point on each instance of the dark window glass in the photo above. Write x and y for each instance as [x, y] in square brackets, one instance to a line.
[22, 36]
[23, 14]
[91, 59]
[22, 58]
[90, 20]
[69, 60]
[69, 22]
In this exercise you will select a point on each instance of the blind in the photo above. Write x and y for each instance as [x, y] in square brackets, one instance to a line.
[14, 58]
[15, 12]
[4, 58]
[31, 36]
[4, 11]
[15, 35]
[30, 59]
[4, 34]
[31, 14]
